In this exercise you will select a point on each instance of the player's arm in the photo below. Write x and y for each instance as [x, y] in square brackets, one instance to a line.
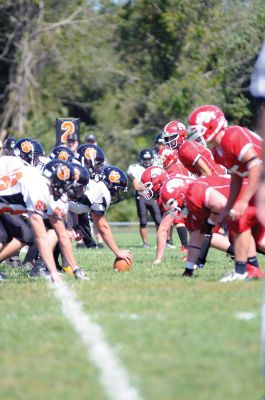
[202, 168]
[43, 244]
[161, 236]
[64, 240]
[106, 233]
[138, 186]
[235, 187]
[254, 166]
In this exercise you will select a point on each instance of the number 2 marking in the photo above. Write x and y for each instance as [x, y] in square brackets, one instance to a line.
[68, 127]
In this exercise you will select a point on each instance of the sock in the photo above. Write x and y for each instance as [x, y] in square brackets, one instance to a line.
[240, 267]
[253, 261]
[183, 235]
[230, 250]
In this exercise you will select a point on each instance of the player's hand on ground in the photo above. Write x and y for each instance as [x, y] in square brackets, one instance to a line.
[55, 277]
[157, 261]
[71, 234]
[260, 201]
[125, 254]
[79, 235]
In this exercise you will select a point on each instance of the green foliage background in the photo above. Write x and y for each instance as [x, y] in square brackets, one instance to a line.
[125, 68]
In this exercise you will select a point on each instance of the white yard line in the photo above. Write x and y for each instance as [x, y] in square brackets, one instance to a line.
[245, 315]
[262, 333]
[113, 376]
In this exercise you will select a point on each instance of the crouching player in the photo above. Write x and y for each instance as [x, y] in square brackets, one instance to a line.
[202, 201]
[25, 189]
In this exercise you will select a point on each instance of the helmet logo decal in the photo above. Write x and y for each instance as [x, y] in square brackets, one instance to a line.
[173, 184]
[63, 173]
[114, 177]
[26, 146]
[205, 116]
[90, 153]
[156, 172]
[63, 155]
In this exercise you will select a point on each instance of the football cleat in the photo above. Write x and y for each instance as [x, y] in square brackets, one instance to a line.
[14, 262]
[254, 272]
[79, 274]
[233, 276]
[39, 270]
[170, 244]
[2, 277]
[68, 270]
[146, 246]
[187, 272]
[183, 249]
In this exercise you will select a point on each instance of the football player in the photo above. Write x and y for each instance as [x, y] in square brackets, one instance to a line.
[240, 151]
[153, 179]
[194, 156]
[202, 201]
[97, 198]
[143, 205]
[27, 190]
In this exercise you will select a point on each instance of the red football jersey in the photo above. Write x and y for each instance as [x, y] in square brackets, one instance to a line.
[178, 169]
[190, 152]
[235, 143]
[196, 198]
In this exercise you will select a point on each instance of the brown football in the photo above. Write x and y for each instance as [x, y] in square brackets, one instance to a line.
[122, 265]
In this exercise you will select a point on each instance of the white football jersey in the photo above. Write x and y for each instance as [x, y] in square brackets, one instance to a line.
[23, 189]
[96, 199]
[135, 171]
[58, 208]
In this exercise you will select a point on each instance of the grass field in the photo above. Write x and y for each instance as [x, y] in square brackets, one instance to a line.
[178, 338]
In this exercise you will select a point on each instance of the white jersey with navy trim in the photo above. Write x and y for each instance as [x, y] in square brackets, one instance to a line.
[96, 199]
[135, 171]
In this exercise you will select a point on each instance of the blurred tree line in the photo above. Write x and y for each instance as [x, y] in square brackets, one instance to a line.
[124, 68]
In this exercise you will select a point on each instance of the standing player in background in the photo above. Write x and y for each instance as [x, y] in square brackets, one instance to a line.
[8, 146]
[72, 142]
[240, 151]
[257, 89]
[143, 205]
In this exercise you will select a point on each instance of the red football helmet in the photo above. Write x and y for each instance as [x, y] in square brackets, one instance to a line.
[205, 122]
[173, 193]
[152, 178]
[174, 134]
[168, 156]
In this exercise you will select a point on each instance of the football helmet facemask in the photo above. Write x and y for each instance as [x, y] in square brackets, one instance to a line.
[146, 157]
[29, 150]
[81, 179]
[205, 123]
[9, 145]
[92, 157]
[152, 178]
[174, 134]
[173, 193]
[61, 176]
[116, 181]
[62, 153]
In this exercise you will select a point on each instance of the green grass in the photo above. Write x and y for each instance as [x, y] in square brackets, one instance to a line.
[177, 337]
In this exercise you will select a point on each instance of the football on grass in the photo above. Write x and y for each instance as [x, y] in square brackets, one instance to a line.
[122, 265]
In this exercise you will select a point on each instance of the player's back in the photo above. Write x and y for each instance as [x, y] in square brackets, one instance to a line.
[191, 151]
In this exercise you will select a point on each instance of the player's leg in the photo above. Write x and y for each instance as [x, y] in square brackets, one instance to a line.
[142, 215]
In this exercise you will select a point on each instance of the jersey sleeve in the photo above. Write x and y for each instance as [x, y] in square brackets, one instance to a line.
[237, 143]
[58, 209]
[189, 154]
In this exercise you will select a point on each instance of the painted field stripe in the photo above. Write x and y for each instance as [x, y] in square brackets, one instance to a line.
[113, 376]
[262, 333]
